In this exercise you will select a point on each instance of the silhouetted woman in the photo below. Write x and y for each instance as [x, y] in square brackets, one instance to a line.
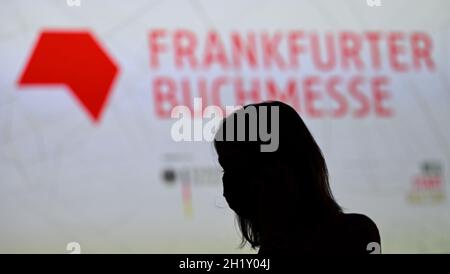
[282, 199]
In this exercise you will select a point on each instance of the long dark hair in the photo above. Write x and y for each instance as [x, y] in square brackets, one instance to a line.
[289, 183]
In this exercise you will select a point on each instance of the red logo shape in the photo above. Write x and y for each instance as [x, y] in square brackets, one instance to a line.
[74, 59]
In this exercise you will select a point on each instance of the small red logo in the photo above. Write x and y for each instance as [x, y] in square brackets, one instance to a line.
[74, 59]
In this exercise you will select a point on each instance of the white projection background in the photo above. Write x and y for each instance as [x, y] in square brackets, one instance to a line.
[372, 84]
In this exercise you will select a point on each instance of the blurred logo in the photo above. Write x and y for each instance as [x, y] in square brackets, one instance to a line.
[74, 59]
[428, 186]
[186, 177]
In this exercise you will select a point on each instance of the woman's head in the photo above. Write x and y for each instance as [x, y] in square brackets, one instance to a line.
[290, 182]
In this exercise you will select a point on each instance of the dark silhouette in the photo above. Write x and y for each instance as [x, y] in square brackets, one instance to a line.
[282, 199]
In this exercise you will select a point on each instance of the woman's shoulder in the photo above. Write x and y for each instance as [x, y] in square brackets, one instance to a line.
[359, 222]
[360, 230]
[357, 219]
